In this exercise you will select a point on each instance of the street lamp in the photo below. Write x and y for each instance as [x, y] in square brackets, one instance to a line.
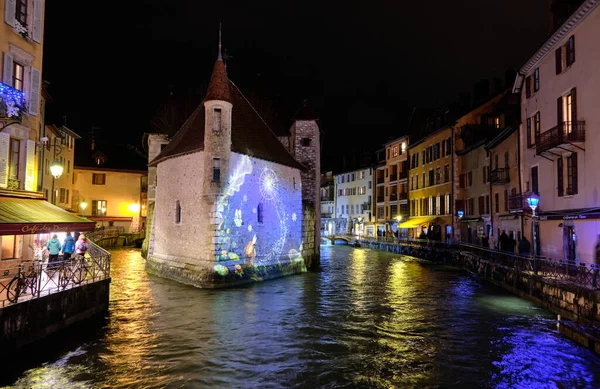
[461, 213]
[103, 212]
[360, 223]
[533, 200]
[83, 205]
[56, 168]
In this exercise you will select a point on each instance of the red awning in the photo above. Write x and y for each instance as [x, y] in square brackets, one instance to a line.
[24, 216]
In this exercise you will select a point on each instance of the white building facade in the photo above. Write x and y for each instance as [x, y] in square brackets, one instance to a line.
[560, 91]
[353, 199]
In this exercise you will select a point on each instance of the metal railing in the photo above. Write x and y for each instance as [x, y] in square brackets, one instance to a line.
[403, 174]
[500, 176]
[33, 279]
[581, 274]
[565, 132]
[515, 203]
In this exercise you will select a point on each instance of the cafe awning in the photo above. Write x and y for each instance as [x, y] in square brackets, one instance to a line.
[24, 216]
[417, 221]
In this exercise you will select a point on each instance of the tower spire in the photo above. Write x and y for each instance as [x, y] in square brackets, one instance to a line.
[219, 56]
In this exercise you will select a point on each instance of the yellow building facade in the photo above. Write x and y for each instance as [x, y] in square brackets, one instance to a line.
[60, 147]
[430, 183]
[112, 197]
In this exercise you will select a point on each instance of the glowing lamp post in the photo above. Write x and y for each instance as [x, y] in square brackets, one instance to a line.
[398, 220]
[103, 212]
[83, 205]
[56, 168]
[533, 202]
[461, 213]
[360, 225]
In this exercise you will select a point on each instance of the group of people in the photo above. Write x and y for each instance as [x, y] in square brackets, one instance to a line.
[508, 243]
[68, 247]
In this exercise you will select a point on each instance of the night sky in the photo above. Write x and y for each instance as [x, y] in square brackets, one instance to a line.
[365, 65]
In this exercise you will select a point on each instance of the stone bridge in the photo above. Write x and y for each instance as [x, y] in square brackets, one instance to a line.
[338, 239]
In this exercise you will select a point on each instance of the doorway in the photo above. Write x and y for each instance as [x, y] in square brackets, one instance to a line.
[569, 243]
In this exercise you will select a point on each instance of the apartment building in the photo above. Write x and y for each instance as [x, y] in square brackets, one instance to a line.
[59, 146]
[430, 186]
[353, 200]
[395, 185]
[327, 197]
[560, 89]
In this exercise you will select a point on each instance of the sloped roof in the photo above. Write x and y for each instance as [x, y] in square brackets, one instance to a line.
[250, 135]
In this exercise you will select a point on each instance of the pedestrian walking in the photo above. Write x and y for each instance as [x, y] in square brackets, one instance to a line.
[81, 246]
[53, 247]
[597, 264]
[68, 247]
[524, 247]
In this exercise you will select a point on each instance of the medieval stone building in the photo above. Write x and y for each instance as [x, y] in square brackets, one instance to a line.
[233, 201]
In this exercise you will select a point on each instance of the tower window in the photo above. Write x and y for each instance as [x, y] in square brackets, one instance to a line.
[305, 142]
[177, 212]
[216, 169]
[217, 119]
[259, 213]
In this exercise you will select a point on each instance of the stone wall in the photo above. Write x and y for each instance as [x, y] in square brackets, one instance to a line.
[309, 156]
[309, 246]
[29, 321]
[155, 142]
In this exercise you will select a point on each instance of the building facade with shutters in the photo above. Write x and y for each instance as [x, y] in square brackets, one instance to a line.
[327, 197]
[59, 146]
[27, 220]
[430, 183]
[353, 201]
[232, 203]
[560, 89]
[395, 185]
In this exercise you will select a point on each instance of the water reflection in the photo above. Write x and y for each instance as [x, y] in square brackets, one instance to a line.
[369, 319]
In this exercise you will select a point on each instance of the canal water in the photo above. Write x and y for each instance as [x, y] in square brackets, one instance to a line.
[369, 319]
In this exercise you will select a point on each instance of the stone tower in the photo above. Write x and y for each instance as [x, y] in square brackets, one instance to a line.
[304, 145]
[217, 144]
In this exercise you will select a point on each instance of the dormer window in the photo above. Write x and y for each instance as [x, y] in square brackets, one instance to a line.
[217, 119]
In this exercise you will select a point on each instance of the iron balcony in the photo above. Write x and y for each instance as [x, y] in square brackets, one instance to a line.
[500, 176]
[563, 134]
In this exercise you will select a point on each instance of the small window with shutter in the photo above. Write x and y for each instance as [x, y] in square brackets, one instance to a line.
[21, 12]
[18, 76]
[536, 80]
[177, 212]
[217, 119]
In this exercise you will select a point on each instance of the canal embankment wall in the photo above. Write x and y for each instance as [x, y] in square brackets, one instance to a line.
[32, 320]
[580, 306]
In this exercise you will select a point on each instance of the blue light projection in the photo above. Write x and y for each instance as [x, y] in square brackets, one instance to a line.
[248, 238]
[12, 102]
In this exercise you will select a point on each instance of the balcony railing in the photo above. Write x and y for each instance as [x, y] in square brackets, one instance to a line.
[564, 133]
[393, 177]
[499, 176]
[515, 203]
[403, 174]
[393, 196]
[403, 195]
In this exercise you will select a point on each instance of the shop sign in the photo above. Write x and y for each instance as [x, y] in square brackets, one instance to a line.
[571, 217]
[43, 228]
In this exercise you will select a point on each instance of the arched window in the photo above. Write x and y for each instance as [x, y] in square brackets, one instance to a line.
[177, 212]
[259, 213]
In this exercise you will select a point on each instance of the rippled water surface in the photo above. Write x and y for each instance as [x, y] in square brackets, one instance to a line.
[369, 319]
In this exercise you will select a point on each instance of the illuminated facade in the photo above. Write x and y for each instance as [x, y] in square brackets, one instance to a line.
[120, 193]
[430, 186]
[353, 201]
[229, 195]
[559, 88]
[60, 146]
[395, 186]
[327, 195]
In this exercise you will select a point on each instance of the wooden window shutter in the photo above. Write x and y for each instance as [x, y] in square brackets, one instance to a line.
[459, 205]
[558, 60]
[528, 87]
[559, 111]
[470, 178]
[574, 109]
[461, 181]
[34, 91]
[30, 166]
[559, 172]
[537, 125]
[94, 207]
[10, 9]
[571, 50]
[4, 158]
[574, 162]
[529, 132]
[481, 205]
[37, 20]
[7, 70]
